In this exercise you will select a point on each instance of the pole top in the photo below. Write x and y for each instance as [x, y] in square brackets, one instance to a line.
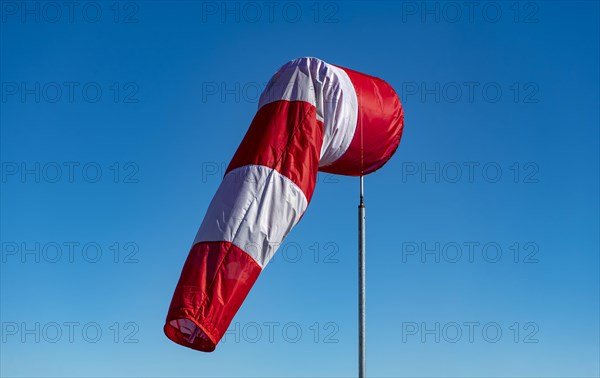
[361, 191]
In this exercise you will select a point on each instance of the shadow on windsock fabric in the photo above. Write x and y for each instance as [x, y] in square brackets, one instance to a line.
[312, 116]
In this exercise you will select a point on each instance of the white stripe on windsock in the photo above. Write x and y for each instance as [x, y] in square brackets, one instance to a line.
[326, 87]
[254, 208]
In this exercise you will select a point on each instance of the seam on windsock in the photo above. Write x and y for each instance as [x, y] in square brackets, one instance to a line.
[341, 117]
[205, 295]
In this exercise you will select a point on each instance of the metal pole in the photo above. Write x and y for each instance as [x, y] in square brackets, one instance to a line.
[362, 362]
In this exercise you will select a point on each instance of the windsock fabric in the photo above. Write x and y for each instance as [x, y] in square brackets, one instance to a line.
[311, 116]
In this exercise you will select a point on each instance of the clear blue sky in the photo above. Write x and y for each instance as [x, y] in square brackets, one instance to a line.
[117, 119]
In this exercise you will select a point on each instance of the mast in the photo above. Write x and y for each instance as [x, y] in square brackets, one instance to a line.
[362, 369]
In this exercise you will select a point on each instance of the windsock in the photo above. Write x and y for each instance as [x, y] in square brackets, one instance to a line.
[312, 116]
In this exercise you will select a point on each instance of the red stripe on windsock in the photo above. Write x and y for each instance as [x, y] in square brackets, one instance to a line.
[215, 280]
[379, 127]
[286, 136]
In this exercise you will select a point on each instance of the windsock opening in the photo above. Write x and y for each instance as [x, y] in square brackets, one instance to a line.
[187, 333]
[311, 116]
